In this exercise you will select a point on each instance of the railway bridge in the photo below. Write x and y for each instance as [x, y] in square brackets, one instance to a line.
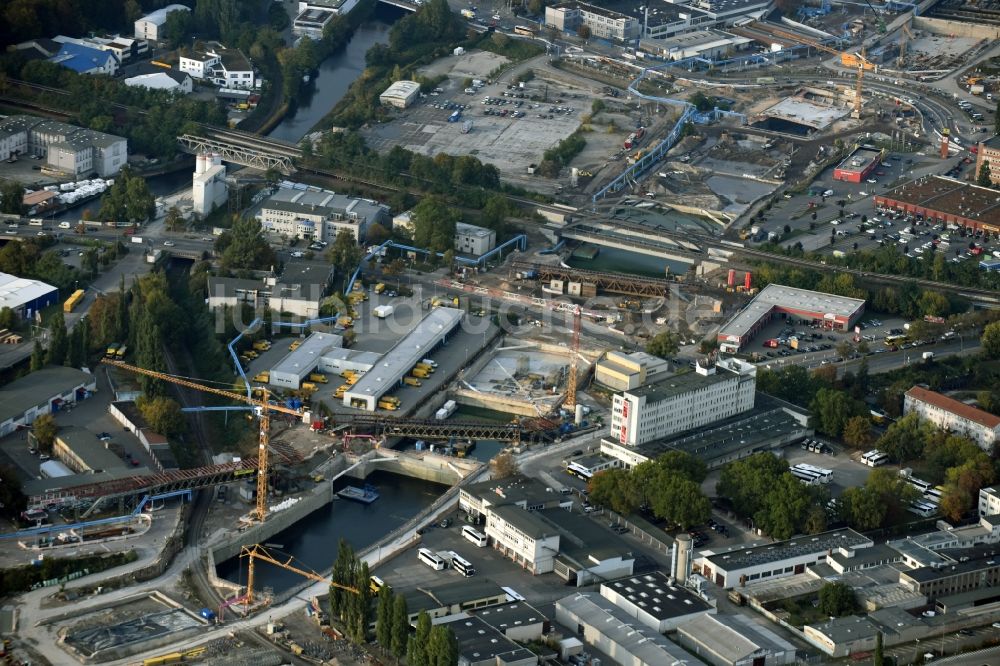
[244, 148]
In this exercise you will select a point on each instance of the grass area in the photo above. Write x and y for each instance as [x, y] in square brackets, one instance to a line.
[22, 579]
[803, 611]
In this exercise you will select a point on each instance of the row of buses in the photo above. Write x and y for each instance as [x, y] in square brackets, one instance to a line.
[439, 563]
[928, 504]
[874, 458]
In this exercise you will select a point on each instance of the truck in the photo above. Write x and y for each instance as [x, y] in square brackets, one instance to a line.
[264, 377]
[423, 366]
[341, 390]
[346, 322]
[455, 117]
[387, 405]
[927, 356]
[262, 345]
[447, 409]
[469, 14]
[308, 386]
[317, 377]
[383, 311]
[112, 348]
[411, 381]
[380, 287]
[422, 373]
[839, 254]
[120, 353]
[75, 298]
[137, 240]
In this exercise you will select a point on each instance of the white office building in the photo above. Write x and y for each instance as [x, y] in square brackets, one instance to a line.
[714, 391]
[151, 26]
[955, 416]
[226, 68]
[312, 213]
[625, 372]
[209, 184]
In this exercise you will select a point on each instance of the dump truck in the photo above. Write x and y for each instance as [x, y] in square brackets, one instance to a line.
[262, 345]
[317, 377]
[411, 381]
[263, 377]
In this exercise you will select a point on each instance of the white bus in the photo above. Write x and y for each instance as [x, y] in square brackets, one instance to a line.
[919, 484]
[579, 471]
[824, 475]
[475, 536]
[933, 495]
[430, 559]
[462, 566]
[874, 458]
[922, 508]
[805, 476]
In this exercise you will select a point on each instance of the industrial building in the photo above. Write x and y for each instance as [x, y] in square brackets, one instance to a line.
[729, 568]
[603, 23]
[68, 148]
[209, 184]
[418, 344]
[83, 453]
[708, 44]
[225, 68]
[714, 391]
[127, 414]
[989, 153]
[84, 59]
[169, 80]
[945, 200]
[41, 392]
[338, 6]
[151, 25]
[656, 601]
[311, 22]
[624, 372]
[975, 568]
[735, 640]
[954, 416]
[298, 291]
[453, 599]
[834, 312]
[312, 213]
[24, 296]
[296, 365]
[611, 630]
[473, 240]
[764, 428]
[859, 165]
[400, 94]
[518, 620]
[480, 644]
[989, 502]
[842, 636]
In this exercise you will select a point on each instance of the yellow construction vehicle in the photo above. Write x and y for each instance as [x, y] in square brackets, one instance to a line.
[422, 373]
[308, 386]
[317, 377]
[341, 390]
[346, 322]
[251, 354]
[295, 345]
[264, 376]
[411, 381]
[387, 405]
[262, 345]
[380, 287]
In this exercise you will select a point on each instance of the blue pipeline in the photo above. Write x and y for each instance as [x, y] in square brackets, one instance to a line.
[232, 353]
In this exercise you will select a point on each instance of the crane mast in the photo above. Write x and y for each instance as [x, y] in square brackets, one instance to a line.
[574, 351]
[263, 408]
[258, 552]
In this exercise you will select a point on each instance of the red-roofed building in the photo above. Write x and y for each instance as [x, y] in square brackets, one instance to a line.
[953, 415]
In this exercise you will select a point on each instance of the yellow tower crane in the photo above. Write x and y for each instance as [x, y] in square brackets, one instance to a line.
[856, 61]
[903, 35]
[263, 406]
[258, 552]
[574, 351]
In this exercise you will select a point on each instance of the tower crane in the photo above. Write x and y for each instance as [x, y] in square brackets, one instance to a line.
[258, 552]
[262, 407]
[903, 35]
[856, 61]
[574, 351]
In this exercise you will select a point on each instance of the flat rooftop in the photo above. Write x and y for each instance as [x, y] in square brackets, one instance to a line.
[309, 198]
[782, 550]
[735, 637]
[802, 111]
[91, 451]
[479, 642]
[653, 593]
[38, 387]
[307, 356]
[985, 559]
[508, 616]
[674, 385]
[406, 353]
[593, 9]
[514, 490]
[747, 431]
[860, 159]
[949, 196]
[784, 298]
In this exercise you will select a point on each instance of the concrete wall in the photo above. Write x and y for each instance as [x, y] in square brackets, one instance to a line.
[427, 466]
[496, 402]
[957, 28]
[320, 497]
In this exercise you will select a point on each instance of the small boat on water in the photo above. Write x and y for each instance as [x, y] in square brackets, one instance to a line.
[365, 495]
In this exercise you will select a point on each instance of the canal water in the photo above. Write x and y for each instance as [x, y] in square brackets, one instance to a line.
[336, 74]
[314, 540]
[621, 261]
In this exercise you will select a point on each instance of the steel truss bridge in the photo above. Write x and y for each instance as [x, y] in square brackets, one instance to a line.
[443, 430]
[616, 283]
[243, 148]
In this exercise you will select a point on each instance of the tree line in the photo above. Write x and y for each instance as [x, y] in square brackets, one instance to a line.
[668, 487]
[356, 608]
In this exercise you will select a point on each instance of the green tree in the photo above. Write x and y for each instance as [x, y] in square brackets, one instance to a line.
[44, 428]
[244, 247]
[342, 574]
[75, 354]
[991, 340]
[8, 318]
[983, 179]
[955, 502]
[37, 356]
[815, 521]
[505, 466]
[663, 344]
[383, 618]
[12, 198]
[880, 502]
[163, 415]
[858, 432]
[442, 646]
[149, 353]
[934, 303]
[434, 224]
[905, 439]
[344, 254]
[614, 488]
[685, 464]
[879, 658]
[417, 649]
[176, 28]
[837, 599]
[832, 409]
[59, 341]
[400, 626]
